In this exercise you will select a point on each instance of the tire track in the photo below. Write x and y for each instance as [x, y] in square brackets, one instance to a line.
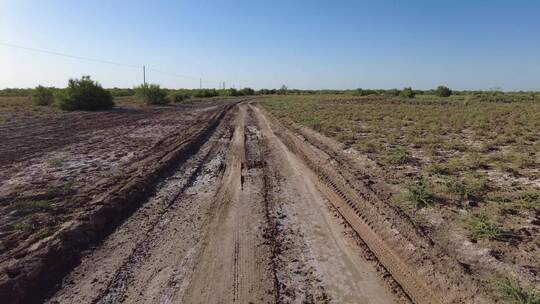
[146, 230]
[234, 261]
[346, 201]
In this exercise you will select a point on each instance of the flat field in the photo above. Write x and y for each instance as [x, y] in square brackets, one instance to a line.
[466, 170]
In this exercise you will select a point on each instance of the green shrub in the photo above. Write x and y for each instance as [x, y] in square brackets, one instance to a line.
[178, 97]
[152, 94]
[420, 193]
[205, 93]
[443, 91]
[42, 96]
[228, 92]
[15, 92]
[407, 93]
[393, 92]
[362, 92]
[482, 227]
[397, 156]
[85, 94]
[246, 92]
[469, 187]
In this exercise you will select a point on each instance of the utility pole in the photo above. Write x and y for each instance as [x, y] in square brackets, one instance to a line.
[200, 83]
[144, 75]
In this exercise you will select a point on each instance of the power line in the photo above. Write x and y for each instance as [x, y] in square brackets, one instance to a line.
[94, 60]
[69, 56]
[90, 59]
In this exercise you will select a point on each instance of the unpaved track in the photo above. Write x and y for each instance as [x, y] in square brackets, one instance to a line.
[241, 221]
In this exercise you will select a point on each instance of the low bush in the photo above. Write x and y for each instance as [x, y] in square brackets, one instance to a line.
[178, 97]
[85, 94]
[407, 93]
[392, 92]
[443, 91]
[397, 156]
[247, 92]
[152, 94]
[229, 92]
[363, 92]
[117, 92]
[42, 96]
[469, 187]
[15, 92]
[482, 227]
[205, 93]
[420, 193]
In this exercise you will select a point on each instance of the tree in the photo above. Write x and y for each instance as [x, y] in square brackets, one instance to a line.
[443, 91]
[85, 94]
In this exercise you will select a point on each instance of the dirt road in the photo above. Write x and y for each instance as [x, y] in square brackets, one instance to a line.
[241, 221]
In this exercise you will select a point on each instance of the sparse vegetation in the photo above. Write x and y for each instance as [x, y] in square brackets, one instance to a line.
[27, 207]
[514, 293]
[396, 156]
[482, 227]
[527, 200]
[420, 193]
[471, 157]
[468, 187]
[56, 161]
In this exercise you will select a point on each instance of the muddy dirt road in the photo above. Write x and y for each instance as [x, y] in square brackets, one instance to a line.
[241, 221]
[231, 206]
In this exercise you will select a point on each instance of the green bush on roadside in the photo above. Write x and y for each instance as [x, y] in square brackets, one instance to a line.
[152, 94]
[85, 94]
[407, 93]
[178, 97]
[42, 96]
[443, 91]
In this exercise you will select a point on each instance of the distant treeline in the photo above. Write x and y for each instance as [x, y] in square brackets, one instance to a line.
[182, 94]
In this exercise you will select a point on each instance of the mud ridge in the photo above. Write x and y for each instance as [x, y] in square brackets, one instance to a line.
[115, 291]
[30, 278]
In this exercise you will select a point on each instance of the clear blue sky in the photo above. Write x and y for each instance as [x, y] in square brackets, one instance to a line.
[303, 44]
